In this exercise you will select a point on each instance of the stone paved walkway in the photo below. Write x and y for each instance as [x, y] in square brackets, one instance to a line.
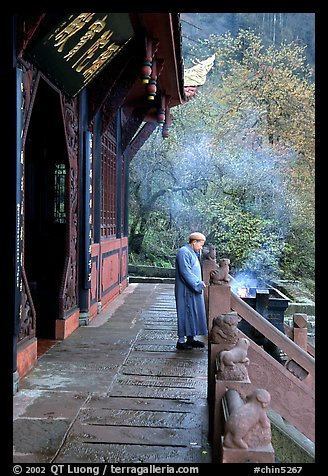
[117, 390]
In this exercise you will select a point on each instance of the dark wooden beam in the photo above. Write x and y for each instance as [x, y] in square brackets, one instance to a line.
[120, 90]
[141, 138]
[121, 72]
[27, 25]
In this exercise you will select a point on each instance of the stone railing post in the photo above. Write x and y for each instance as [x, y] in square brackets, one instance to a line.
[300, 338]
[208, 265]
[223, 336]
[218, 304]
[230, 373]
[300, 330]
[219, 297]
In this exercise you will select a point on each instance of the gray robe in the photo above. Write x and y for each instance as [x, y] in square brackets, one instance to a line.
[189, 295]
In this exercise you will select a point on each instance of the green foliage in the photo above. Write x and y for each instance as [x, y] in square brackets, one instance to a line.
[238, 165]
[273, 27]
[159, 246]
[298, 257]
[251, 242]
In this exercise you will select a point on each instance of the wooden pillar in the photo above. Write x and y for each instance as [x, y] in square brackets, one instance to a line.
[119, 183]
[16, 232]
[85, 211]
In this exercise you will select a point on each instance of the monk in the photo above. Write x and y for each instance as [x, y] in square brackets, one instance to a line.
[189, 296]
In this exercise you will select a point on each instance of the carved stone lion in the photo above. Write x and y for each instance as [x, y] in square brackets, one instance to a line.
[220, 275]
[225, 329]
[236, 355]
[209, 253]
[249, 425]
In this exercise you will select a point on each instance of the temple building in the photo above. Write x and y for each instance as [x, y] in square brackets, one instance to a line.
[89, 90]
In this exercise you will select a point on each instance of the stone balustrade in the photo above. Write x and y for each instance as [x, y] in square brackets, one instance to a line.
[228, 374]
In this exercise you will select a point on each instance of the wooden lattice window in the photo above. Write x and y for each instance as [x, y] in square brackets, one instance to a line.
[109, 190]
[59, 209]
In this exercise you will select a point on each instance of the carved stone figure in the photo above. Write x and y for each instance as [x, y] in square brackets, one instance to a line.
[208, 265]
[248, 425]
[224, 329]
[236, 355]
[232, 364]
[209, 253]
[220, 275]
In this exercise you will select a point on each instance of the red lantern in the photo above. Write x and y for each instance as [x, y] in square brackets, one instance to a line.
[161, 116]
[146, 71]
[165, 132]
[167, 124]
[151, 87]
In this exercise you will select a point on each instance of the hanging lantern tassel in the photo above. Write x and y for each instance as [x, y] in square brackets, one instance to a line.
[161, 116]
[146, 66]
[161, 111]
[167, 124]
[146, 71]
[151, 87]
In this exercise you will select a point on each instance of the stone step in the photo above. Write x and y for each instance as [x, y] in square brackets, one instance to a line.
[151, 279]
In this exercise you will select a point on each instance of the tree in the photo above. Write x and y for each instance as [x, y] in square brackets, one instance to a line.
[273, 88]
[243, 148]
